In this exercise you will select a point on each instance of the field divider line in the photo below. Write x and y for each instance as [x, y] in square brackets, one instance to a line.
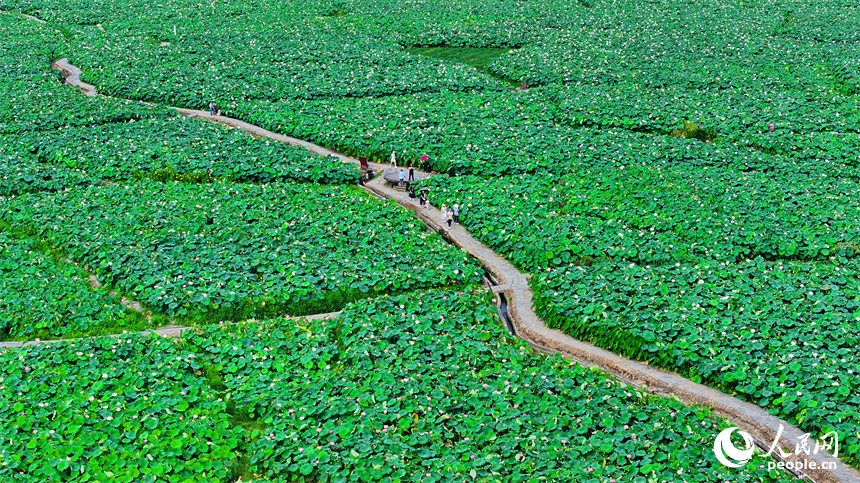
[169, 331]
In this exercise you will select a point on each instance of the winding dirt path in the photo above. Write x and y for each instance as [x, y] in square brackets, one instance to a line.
[514, 285]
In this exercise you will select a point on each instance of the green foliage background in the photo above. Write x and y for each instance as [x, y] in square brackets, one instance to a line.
[577, 180]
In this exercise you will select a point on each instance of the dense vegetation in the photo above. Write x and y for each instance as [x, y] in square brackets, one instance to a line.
[176, 148]
[227, 251]
[674, 174]
[21, 175]
[111, 409]
[40, 297]
[746, 281]
[425, 387]
[31, 96]
[729, 68]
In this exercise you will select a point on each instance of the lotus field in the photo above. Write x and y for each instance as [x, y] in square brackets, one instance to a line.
[42, 297]
[229, 251]
[679, 180]
[744, 281]
[421, 387]
[178, 149]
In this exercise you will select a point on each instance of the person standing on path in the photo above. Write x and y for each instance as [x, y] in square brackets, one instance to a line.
[393, 162]
[456, 209]
[449, 217]
[401, 176]
[443, 214]
[211, 108]
[422, 199]
[411, 173]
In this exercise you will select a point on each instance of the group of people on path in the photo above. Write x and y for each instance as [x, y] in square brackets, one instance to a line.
[448, 215]
[214, 110]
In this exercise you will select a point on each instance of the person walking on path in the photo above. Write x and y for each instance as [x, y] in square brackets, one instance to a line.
[449, 216]
[393, 162]
[401, 176]
[422, 199]
[456, 210]
[411, 173]
[211, 108]
[443, 214]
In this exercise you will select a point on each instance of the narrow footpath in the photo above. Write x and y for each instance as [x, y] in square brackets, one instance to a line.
[166, 331]
[514, 285]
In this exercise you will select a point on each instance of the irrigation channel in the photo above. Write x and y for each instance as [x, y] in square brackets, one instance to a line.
[515, 295]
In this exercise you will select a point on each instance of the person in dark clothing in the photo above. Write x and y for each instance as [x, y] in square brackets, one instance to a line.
[411, 173]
